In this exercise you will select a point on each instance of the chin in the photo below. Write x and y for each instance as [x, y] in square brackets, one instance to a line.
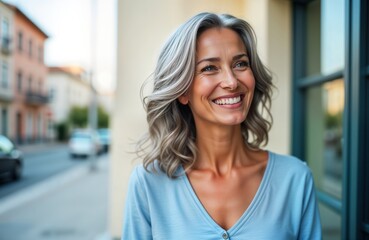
[233, 121]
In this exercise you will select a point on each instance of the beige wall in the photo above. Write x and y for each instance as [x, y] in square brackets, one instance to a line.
[143, 26]
[279, 62]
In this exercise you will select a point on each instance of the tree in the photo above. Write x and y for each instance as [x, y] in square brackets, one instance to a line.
[62, 129]
[103, 118]
[78, 116]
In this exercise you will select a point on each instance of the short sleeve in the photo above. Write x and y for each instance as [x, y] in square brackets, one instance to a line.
[310, 226]
[136, 222]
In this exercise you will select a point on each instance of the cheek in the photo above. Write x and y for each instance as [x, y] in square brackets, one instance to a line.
[248, 80]
[203, 87]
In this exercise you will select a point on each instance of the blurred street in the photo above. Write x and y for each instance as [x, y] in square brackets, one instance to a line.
[41, 161]
[57, 197]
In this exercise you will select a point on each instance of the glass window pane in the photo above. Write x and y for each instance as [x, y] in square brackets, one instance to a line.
[331, 223]
[324, 116]
[366, 31]
[325, 37]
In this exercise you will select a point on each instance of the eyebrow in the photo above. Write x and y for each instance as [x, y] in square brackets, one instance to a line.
[216, 59]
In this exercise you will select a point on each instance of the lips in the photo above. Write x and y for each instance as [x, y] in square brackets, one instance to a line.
[228, 100]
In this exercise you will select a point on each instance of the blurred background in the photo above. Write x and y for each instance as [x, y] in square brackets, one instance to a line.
[70, 111]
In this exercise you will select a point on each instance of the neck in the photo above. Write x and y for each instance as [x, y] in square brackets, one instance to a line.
[220, 149]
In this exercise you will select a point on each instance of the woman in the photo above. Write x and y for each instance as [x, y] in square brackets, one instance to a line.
[204, 175]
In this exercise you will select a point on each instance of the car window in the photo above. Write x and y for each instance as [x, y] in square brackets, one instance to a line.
[104, 133]
[6, 145]
[81, 135]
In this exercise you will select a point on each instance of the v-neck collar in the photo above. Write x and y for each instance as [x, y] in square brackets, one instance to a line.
[245, 217]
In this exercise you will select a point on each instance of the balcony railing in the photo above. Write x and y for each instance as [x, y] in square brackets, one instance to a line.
[36, 98]
[6, 95]
[5, 45]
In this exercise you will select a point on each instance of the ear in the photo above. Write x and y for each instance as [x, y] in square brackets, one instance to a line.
[183, 99]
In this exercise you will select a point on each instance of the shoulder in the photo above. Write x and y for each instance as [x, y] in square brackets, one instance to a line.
[140, 173]
[290, 168]
[290, 163]
[291, 175]
[151, 177]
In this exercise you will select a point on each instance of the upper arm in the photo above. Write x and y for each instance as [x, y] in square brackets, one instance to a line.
[310, 227]
[136, 222]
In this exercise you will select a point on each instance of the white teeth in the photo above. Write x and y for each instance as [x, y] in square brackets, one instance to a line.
[228, 101]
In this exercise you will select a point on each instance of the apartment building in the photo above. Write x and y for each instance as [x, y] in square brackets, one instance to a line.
[29, 114]
[6, 66]
[318, 52]
[68, 86]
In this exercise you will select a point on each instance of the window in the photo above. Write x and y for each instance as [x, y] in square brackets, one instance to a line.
[4, 75]
[19, 81]
[40, 86]
[5, 28]
[51, 94]
[39, 126]
[40, 54]
[4, 121]
[30, 46]
[20, 41]
[5, 39]
[29, 126]
[330, 109]
[30, 84]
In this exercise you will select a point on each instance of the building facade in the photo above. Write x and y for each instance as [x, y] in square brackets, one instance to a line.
[29, 115]
[318, 53]
[68, 87]
[6, 66]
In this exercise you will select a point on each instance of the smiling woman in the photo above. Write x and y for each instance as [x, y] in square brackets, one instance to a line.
[204, 174]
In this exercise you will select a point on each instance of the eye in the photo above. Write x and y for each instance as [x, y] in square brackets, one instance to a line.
[209, 68]
[242, 65]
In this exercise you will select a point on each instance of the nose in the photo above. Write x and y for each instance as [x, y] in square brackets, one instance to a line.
[229, 80]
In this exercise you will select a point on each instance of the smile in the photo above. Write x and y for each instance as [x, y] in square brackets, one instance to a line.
[227, 101]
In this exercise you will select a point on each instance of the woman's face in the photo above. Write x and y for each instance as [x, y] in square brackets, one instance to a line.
[223, 85]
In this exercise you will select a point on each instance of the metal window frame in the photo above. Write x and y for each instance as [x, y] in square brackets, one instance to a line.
[318, 79]
[365, 224]
[354, 147]
[300, 84]
[356, 116]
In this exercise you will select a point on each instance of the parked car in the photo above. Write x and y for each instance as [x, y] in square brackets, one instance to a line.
[84, 143]
[104, 135]
[11, 159]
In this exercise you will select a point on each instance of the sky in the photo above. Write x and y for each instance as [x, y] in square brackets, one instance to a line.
[68, 25]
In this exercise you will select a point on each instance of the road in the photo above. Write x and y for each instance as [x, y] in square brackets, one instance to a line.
[58, 198]
[39, 166]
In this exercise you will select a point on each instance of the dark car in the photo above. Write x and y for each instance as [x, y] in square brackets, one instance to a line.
[11, 160]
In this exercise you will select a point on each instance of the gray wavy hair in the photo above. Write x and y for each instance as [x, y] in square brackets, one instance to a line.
[170, 139]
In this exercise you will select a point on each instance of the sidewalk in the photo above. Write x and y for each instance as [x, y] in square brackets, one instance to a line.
[69, 206]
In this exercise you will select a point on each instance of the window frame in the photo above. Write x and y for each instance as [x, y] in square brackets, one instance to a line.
[355, 221]
[20, 38]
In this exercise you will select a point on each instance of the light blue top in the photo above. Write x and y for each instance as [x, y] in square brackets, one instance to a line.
[284, 207]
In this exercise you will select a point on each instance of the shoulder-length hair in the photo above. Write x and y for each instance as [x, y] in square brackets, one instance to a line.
[171, 135]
